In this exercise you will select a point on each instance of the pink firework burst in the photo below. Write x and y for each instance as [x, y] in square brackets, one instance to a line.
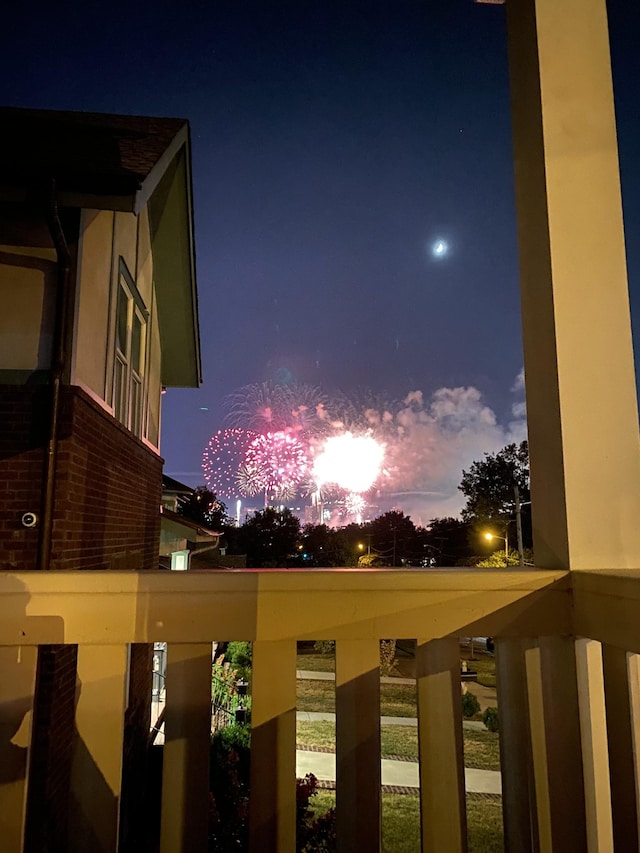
[277, 462]
[222, 458]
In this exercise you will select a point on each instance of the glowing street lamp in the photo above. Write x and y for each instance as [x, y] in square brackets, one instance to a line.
[506, 544]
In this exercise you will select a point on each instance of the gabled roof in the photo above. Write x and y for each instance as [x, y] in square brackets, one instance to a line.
[175, 487]
[187, 529]
[121, 163]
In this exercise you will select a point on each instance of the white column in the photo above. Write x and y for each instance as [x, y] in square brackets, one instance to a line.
[580, 381]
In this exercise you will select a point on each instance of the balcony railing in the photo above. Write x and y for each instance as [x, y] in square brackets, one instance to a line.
[568, 692]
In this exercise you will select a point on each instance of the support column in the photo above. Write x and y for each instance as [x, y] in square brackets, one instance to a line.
[442, 789]
[358, 771]
[575, 303]
[187, 746]
[272, 803]
[595, 751]
[96, 769]
[518, 790]
[17, 682]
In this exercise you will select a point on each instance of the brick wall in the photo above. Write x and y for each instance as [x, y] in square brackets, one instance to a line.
[23, 429]
[108, 485]
[106, 516]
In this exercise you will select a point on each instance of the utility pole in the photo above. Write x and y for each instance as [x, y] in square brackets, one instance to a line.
[519, 525]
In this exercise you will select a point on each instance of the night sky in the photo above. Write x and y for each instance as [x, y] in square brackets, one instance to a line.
[334, 145]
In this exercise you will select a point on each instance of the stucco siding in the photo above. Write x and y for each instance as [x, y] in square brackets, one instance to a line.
[27, 286]
[93, 302]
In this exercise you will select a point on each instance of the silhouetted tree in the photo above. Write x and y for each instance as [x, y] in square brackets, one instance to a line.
[203, 507]
[488, 485]
[269, 538]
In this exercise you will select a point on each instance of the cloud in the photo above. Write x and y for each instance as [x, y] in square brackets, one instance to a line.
[436, 439]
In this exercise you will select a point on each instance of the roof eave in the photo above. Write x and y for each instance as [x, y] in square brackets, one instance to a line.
[172, 234]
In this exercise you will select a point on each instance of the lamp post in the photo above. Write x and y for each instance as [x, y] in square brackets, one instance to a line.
[506, 545]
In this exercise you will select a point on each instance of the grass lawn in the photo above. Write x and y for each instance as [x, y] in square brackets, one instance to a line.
[316, 663]
[484, 665]
[401, 821]
[395, 700]
[480, 748]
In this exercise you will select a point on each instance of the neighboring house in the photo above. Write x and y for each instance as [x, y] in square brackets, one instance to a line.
[99, 313]
[172, 491]
[181, 537]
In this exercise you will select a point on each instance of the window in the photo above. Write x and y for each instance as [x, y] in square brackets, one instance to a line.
[130, 350]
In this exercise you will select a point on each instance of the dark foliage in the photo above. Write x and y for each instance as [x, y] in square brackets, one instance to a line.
[470, 705]
[203, 507]
[269, 538]
[229, 799]
[490, 719]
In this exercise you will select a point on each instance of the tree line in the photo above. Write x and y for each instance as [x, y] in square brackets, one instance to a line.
[275, 537]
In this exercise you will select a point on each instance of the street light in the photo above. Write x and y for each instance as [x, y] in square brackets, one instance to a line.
[361, 545]
[506, 545]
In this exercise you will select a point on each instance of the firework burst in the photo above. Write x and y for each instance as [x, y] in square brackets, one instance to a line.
[275, 463]
[351, 462]
[355, 506]
[298, 409]
[222, 458]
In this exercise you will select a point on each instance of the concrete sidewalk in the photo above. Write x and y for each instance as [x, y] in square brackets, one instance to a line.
[396, 773]
[486, 696]
[324, 716]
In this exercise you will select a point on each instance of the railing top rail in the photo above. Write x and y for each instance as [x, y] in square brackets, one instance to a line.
[186, 607]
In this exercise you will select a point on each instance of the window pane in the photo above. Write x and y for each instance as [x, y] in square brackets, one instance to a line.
[136, 406]
[136, 343]
[120, 391]
[121, 320]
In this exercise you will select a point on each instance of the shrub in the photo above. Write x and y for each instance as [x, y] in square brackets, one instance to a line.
[324, 647]
[224, 692]
[240, 657]
[470, 705]
[314, 834]
[229, 799]
[490, 719]
[229, 789]
[387, 656]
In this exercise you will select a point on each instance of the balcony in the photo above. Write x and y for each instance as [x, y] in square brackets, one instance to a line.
[568, 691]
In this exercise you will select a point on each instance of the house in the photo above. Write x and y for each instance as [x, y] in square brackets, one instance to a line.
[97, 281]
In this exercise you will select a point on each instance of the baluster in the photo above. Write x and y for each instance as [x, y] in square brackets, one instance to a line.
[272, 808]
[96, 770]
[518, 793]
[17, 680]
[595, 753]
[185, 769]
[442, 791]
[621, 748]
[358, 773]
